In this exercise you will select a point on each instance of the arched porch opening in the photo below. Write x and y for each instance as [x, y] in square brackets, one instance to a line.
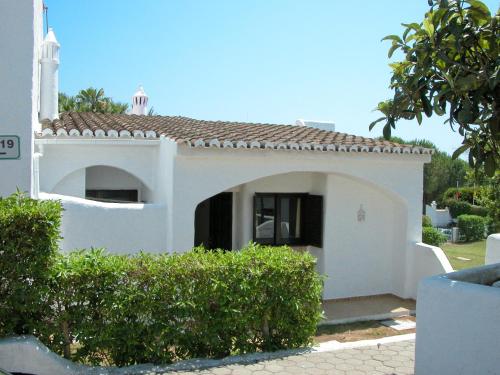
[356, 229]
[213, 228]
[104, 183]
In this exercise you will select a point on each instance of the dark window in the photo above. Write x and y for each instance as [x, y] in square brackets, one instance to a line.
[294, 219]
[117, 196]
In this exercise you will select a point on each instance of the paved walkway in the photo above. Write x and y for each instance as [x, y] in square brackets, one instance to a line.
[396, 358]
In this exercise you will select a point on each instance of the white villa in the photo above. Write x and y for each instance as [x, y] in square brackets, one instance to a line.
[167, 183]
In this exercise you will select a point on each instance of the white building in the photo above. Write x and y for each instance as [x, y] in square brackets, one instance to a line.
[160, 183]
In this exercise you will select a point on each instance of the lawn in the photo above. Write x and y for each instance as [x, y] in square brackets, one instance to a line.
[473, 251]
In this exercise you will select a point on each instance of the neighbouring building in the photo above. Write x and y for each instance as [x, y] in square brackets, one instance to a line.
[167, 183]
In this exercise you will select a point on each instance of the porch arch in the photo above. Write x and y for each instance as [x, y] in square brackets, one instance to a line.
[99, 178]
[362, 256]
[319, 187]
[49, 181]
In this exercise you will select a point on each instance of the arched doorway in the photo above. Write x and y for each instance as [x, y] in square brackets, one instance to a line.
[214, 222]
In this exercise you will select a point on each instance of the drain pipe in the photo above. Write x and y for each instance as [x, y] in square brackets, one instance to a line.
[36, 172]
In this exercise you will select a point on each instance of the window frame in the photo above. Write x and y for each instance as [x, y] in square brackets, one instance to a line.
[277, 239]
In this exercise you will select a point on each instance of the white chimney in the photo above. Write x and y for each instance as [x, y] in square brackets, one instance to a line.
[139, 102]
[49, 77]
[323, 125]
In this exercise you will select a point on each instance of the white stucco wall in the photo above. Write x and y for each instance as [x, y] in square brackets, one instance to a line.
[427, 261]
[361, 258]
[388, 186]
[458, 325]
[72, 185]
[120, 228]
[493, 249]
[20, 38]
[59, 161]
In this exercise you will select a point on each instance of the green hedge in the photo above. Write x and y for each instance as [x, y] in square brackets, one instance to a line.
[479, 211]
[426, 221]
[472, 227]
[162, 308]
[457, 208]
[29, 232]
[107, 309]
[432, 236]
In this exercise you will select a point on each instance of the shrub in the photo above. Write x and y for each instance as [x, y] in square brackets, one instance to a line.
[162, 308]
[471, 227]
[426, 221]
[29, 234]
[432, 236]
[463, 194]
[479, 211]
[458, 208]
[149, 308]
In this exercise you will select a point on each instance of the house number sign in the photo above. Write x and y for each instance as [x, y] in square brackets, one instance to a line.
[9, 147]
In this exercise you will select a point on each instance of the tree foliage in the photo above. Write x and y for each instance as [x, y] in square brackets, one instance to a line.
[90, 100]
[450, 66]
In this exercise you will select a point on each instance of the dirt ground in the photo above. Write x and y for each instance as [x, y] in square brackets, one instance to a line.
[359, 331]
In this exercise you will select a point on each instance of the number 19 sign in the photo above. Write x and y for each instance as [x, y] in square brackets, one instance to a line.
[9, 147]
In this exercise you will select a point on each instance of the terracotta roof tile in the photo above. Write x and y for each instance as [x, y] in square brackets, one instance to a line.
[187, 130]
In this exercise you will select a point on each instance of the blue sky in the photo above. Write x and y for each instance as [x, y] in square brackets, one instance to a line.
[244, 60]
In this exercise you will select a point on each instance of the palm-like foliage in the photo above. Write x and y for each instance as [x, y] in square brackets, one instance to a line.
[90, 100]
[67, 103]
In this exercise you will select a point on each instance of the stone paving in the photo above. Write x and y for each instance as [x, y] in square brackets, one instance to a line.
[395, 358]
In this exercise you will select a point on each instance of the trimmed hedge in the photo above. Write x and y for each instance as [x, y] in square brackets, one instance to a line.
[472, 227]
[163, 308]
[458, 208]
[432, 236]
[118, 310]
[29, 234]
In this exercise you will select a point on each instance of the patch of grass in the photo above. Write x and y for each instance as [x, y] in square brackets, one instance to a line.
[475, 251]
[357, 331]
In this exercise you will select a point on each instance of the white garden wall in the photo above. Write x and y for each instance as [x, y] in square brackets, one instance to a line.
[458, 324]
[493, 249]
[427, 261]
[120, 228]
[439, 217]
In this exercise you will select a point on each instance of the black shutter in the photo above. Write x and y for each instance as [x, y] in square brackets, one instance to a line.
[312, 220]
